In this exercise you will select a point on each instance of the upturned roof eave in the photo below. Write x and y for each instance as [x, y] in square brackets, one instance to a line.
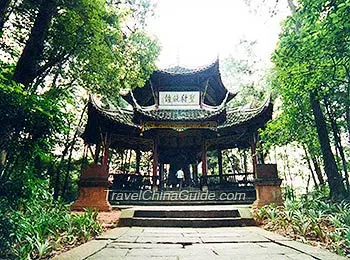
[157, 80]
[238, 117]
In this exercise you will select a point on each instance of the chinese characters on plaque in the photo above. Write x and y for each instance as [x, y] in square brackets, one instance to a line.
[178, 100]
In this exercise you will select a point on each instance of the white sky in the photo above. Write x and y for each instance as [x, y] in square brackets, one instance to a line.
[193, 32]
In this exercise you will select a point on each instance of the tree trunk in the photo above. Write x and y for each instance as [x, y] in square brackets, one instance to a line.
[4, 6]
[28, 64]
[337, 141]
[69, 163]
[307, 157]
[57, 179]
[335, 182]
[317, 169]
[69, 166]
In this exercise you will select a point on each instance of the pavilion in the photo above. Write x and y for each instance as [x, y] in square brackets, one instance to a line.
[179, 115]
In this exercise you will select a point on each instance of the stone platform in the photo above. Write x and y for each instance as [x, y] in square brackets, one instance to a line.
[181, 197]
[138, 243]
[187, 216]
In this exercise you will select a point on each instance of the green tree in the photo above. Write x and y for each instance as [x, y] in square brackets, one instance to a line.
[68, 47]
[311, 61]
[243, 73]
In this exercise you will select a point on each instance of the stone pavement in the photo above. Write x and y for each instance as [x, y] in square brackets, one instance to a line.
[194, 243]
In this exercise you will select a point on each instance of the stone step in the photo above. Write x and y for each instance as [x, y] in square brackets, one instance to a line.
[189, 214]
[192, 222]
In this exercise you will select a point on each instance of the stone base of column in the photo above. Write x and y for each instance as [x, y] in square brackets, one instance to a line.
[267, 186]
[92, 197]
[93, 189]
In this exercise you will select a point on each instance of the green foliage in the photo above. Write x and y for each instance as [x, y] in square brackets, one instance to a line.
[312, 57]
[311, 217]
[31, 125]
[42, 225]
[89, 47]
[242, 74]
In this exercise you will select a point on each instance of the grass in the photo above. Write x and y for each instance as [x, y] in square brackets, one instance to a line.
[311, 218]
[40, 227]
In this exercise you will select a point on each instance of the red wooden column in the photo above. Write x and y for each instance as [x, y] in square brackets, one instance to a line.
[155, 162]
[97, 153]
[204, 164]
[161, 176]
[107, 143]
[220, 164]
[253, 152]
[93, 184]
[138, 159]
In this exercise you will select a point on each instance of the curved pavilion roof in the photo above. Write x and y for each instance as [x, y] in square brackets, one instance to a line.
[234, 126]
[207, 79]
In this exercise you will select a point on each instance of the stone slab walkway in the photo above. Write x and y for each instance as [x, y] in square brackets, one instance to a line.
[194, 243]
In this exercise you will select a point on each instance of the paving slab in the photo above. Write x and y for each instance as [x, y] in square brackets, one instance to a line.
[109, 253]
[83, 251]
[236, 243]
[168, 239]
[113, 233]
[127, 239]
[143, 246]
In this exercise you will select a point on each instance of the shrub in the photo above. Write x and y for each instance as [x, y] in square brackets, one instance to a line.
[40, 226]
[311, 217]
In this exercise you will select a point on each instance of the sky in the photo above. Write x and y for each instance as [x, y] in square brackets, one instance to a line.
[193, 33]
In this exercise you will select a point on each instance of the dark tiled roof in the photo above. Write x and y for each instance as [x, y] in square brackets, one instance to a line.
[234, 117]
[178, 70]
[206, 79]
[238, 116]
[119, 115]
[181, 115]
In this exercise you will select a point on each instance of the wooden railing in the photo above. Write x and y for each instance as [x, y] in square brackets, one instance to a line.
[229, 180]
[126, 181]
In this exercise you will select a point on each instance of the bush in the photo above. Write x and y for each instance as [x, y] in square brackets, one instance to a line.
[40, 226]
[311, 217]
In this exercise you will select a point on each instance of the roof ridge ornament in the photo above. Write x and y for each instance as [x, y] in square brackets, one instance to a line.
[173, 70]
